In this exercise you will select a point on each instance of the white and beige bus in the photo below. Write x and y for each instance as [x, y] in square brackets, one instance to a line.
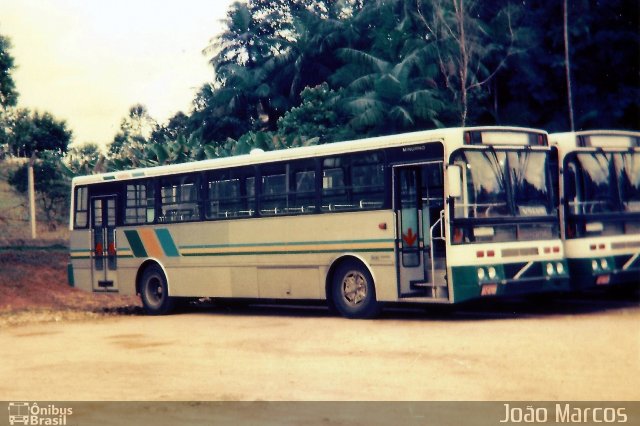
[439, 216]
[600, 208]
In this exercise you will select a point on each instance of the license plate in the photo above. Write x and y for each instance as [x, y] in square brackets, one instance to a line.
[489, 290]
[602, 279]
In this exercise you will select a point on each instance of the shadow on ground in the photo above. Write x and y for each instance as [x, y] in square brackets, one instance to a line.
[487, 309]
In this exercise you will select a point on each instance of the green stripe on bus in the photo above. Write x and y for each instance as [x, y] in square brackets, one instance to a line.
[280, 244]
[108, 177]
[166, 241]
[257, 253]
[135, 243]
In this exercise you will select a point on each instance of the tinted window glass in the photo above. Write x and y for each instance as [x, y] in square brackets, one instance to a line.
[230, 194]
[139, 203]
[288, 188]
[81, 207]
[353, 182]
[179, 199]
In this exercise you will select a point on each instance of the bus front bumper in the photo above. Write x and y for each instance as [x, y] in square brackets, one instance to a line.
[508, 280]
[594, 272]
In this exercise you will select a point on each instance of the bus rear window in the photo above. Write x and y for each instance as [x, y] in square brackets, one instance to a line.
[81, 215]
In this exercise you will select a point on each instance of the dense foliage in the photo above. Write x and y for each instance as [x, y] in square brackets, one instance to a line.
[298, 72]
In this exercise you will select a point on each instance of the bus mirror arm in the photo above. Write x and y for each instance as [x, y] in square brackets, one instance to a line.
[454, 181]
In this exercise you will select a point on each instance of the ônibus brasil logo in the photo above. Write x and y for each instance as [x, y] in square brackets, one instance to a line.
[27, 413]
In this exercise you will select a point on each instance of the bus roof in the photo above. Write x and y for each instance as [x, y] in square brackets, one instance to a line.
[600, 138]
[334, 148]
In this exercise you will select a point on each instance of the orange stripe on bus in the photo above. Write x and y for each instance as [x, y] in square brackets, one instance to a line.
[150, 241]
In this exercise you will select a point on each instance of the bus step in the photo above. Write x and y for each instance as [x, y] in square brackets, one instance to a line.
[431, 290]
[439, 277]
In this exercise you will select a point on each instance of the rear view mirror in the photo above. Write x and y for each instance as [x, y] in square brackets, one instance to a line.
[454, 180]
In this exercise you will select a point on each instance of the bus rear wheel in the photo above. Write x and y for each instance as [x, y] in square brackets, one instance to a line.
[353, 291]
[154, 292]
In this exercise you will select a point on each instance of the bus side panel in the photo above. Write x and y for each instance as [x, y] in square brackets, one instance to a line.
[295, 283]
[385, 278]
[127, 272]
[212, 281]
[80, 253]
[129, 263]
[279, 257]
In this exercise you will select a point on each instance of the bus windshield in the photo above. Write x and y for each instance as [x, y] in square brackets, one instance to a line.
[529, 183]
[504, 183]
[597, 194]
[627, 166]
[602, 192]
[604, 182]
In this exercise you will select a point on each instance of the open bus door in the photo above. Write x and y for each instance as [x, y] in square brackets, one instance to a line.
[419, 204]
[104, 262]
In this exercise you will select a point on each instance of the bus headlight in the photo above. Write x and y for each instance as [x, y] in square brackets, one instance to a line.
[594, 265]
[550, 269]
[604, 263]
[560, 268]
[480, 273]
[492, 272]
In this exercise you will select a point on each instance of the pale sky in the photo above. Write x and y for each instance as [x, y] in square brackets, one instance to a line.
[88, 61]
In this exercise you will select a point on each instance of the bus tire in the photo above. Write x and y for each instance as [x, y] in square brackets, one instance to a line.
[154, 292]
[353, 292]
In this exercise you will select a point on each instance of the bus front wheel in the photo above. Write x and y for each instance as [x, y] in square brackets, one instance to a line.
[353, 292]
[154, 292]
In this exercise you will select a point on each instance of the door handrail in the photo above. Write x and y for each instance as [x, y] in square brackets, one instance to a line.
[440, 221]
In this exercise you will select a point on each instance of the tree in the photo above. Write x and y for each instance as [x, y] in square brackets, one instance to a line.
[567, 63]
[603, 51]
[318, 116]
[85, 159]
[8, 93]
[176, 126]
[52, 185]
[30, 133]
[605, 64]
[472, 45]
[401, 65]
[389, 81]
[127, 148]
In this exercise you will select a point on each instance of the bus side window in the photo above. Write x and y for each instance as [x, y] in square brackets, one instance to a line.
[81, 208]
[273, 193]
[302, 188]
[334, 193]
[179, 198]
[139, 203]
[223, 195]
[367, 180]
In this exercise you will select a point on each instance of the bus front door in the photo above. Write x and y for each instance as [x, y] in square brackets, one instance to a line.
[104, 255]
[419, 204]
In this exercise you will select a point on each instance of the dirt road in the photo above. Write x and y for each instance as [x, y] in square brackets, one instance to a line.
[569, 350]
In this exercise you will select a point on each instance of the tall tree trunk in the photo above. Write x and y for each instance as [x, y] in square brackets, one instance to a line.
[464, 60]
[567, 65]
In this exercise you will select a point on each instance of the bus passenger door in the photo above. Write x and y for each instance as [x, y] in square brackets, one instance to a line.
[419, 201]
[103, 232]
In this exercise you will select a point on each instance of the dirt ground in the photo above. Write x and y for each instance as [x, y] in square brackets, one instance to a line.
[57, 343]
[34, 289]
